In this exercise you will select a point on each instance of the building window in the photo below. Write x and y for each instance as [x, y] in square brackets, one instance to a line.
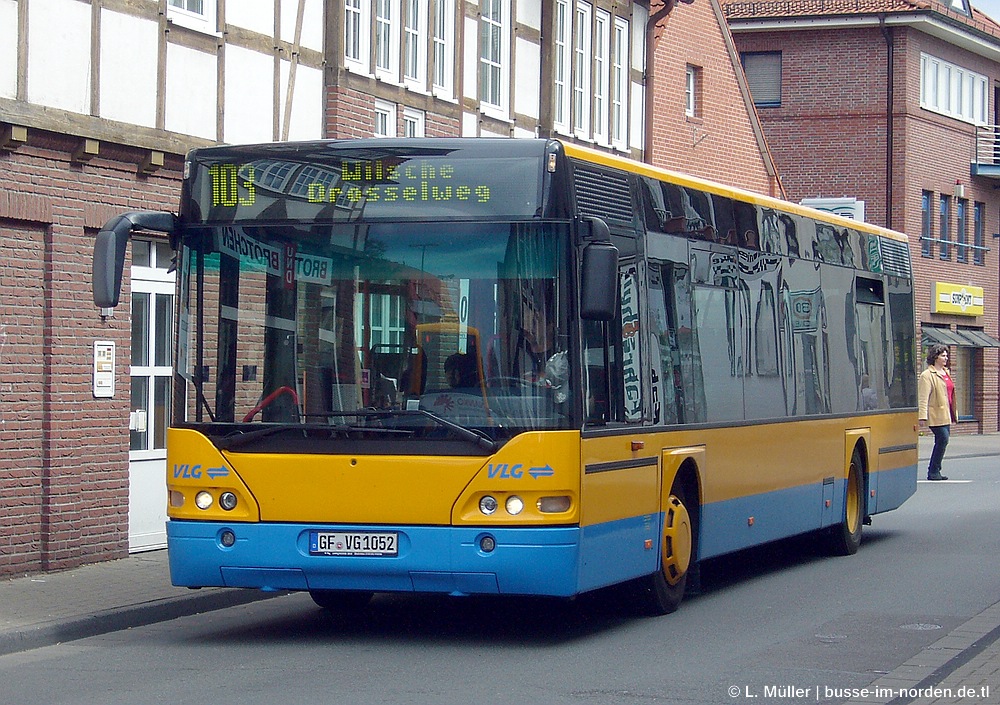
[926, 238]
[961, 6]
[620, 84]
[444, 40]
[355, 31]
[763, 72]
[979, 234]
[198, 15]
[560, 67]
[151, 363]
[581, 71]
[414, 41]
[493, 45]
[944, 233]
[413, 122]
[385, 119]
[952, 90]
[602, 48]
[961, 365]
[962, 230]
[692, 91]
[387, 38]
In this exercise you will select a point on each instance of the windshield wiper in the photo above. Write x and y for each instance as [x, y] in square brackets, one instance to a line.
[239, 438]
[466, 434]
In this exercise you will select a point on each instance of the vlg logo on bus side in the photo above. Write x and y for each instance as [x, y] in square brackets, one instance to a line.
[195, 472]
[506, 471]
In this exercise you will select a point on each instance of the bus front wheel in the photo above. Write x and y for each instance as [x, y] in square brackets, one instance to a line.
[662, 592]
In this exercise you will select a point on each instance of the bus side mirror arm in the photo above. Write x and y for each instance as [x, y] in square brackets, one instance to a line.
[109, 251]
[599, 274]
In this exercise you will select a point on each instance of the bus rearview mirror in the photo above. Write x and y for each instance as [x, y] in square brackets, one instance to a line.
[109, 251]
[598, 282]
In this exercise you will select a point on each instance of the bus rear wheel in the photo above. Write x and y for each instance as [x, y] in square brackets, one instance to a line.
[662, 592]
[845, 538]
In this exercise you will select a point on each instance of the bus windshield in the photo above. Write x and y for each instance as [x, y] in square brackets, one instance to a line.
[363, 324]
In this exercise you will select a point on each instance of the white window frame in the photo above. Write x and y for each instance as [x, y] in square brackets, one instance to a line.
[582, 57]
[561, 66]
[414, 122]
[690, 91]
[621, 67]
[953, 91]
[415, 44]
[488, 65]
[156, 281]
[384, 119]
[602, 52]
[357, 17]
[204, 21]
[388, 24]
[444, 48]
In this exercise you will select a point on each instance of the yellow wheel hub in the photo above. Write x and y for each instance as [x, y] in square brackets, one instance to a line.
[677, 541]
[853, 500]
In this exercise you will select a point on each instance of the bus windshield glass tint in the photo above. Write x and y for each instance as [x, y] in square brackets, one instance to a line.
[465, 321]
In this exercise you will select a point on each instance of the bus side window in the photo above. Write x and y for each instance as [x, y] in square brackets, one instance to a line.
[595, 365]
[604, 375]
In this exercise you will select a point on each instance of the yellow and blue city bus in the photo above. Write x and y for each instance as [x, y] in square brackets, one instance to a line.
[517, 367]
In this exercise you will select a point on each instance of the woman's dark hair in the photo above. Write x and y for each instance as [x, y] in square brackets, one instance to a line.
[933, 352]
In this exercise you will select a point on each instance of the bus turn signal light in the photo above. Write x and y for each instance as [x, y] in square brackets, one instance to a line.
[553, 505]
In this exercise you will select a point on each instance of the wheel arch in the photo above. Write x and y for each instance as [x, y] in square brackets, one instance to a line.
[683, 467]
[859, 440]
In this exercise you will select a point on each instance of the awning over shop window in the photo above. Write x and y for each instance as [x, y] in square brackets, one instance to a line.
[963, 337]
[978, 338]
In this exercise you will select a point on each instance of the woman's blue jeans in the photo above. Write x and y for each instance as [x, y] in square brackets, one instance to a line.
[941, 436]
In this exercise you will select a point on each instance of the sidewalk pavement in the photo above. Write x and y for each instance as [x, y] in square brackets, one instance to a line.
[50, 608]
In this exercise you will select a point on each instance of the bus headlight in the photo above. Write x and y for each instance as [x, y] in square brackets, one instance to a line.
[487, 505]
[203, 500]
[227, 500]
[514, 505]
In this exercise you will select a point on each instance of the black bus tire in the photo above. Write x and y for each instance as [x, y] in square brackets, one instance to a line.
[661, 593]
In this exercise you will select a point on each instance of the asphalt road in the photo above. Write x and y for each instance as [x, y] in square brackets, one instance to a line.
[784, 623]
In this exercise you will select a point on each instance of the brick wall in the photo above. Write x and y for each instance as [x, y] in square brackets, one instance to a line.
[63, 453]
[350, 113]
[718, 143]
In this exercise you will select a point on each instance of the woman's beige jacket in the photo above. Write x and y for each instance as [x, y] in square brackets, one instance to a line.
[933, 404]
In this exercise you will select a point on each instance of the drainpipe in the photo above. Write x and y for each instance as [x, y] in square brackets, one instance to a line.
[654, 18]
[889, 80]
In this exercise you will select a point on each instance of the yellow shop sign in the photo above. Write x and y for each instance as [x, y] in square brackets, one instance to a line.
[959, 299]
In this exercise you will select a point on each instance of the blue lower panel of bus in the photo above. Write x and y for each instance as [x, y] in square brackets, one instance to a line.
[739, 523]
[525, 561]
[893, 487]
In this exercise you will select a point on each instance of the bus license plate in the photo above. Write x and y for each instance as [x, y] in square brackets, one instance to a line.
[353, 543]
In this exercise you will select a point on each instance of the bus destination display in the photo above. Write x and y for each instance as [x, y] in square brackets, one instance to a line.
[352, 189]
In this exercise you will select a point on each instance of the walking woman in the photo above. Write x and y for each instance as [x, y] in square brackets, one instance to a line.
[936, 405]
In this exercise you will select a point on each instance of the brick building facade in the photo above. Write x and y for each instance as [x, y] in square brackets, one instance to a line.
[80, 145]
[885, 102]
[63, 453]
[702, 119]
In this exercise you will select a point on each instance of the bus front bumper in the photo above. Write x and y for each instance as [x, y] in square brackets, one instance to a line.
[440, 559]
